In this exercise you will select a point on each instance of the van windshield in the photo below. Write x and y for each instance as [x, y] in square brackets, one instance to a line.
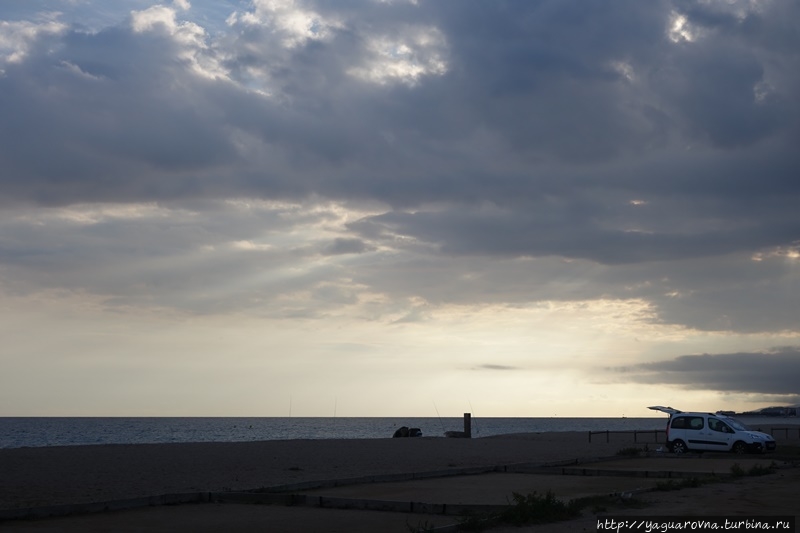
[735, 424]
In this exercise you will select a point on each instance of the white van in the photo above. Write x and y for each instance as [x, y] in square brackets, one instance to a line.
[712, 432]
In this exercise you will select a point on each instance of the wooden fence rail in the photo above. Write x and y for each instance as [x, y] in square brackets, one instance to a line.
[636, 432]
[787, 431]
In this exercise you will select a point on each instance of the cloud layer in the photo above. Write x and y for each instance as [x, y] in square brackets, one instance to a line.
[770, 373]
[386, 160]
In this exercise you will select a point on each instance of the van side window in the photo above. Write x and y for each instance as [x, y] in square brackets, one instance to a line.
[687, 422]
[716, 425]
[680, 422]
[696, 422]
[719, 425]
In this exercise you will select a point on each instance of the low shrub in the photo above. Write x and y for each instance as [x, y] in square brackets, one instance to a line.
[755, 470]
[737, 470]
[537, 508]
[629, 452]
[686, 483]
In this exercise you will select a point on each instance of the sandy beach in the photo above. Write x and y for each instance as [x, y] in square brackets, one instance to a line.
[72, 474]
[40, 477]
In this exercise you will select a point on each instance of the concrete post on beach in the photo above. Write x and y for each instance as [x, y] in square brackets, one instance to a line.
[467, 433]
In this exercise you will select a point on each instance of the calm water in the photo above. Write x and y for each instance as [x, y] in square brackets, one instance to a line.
[16, 432]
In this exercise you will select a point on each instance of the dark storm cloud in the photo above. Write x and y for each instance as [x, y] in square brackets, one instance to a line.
[540, 75]
[770, 373]
[97, 120]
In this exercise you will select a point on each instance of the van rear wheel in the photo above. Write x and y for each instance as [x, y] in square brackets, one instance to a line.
[679, 447]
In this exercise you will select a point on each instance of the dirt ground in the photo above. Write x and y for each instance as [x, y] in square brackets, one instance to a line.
[773, 495]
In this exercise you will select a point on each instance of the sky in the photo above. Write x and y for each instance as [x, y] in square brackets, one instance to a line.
[398, 208]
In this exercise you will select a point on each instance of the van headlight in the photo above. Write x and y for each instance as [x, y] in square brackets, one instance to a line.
[755, 436]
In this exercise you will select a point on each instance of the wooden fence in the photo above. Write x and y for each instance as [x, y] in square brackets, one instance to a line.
[659, 435]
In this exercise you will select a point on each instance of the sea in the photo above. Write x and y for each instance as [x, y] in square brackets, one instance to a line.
[20, 432]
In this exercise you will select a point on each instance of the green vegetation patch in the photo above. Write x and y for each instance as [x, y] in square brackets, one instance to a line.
[632, 451]
[686, 483]
[536, 508]
[755, 470]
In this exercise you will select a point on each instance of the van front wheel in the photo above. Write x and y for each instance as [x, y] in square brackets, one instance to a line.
[679, 447]
[739, 447]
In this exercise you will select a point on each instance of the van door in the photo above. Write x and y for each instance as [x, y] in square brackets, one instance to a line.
[668, 410]
[709, 434]
[691, 429]
[720, 435]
